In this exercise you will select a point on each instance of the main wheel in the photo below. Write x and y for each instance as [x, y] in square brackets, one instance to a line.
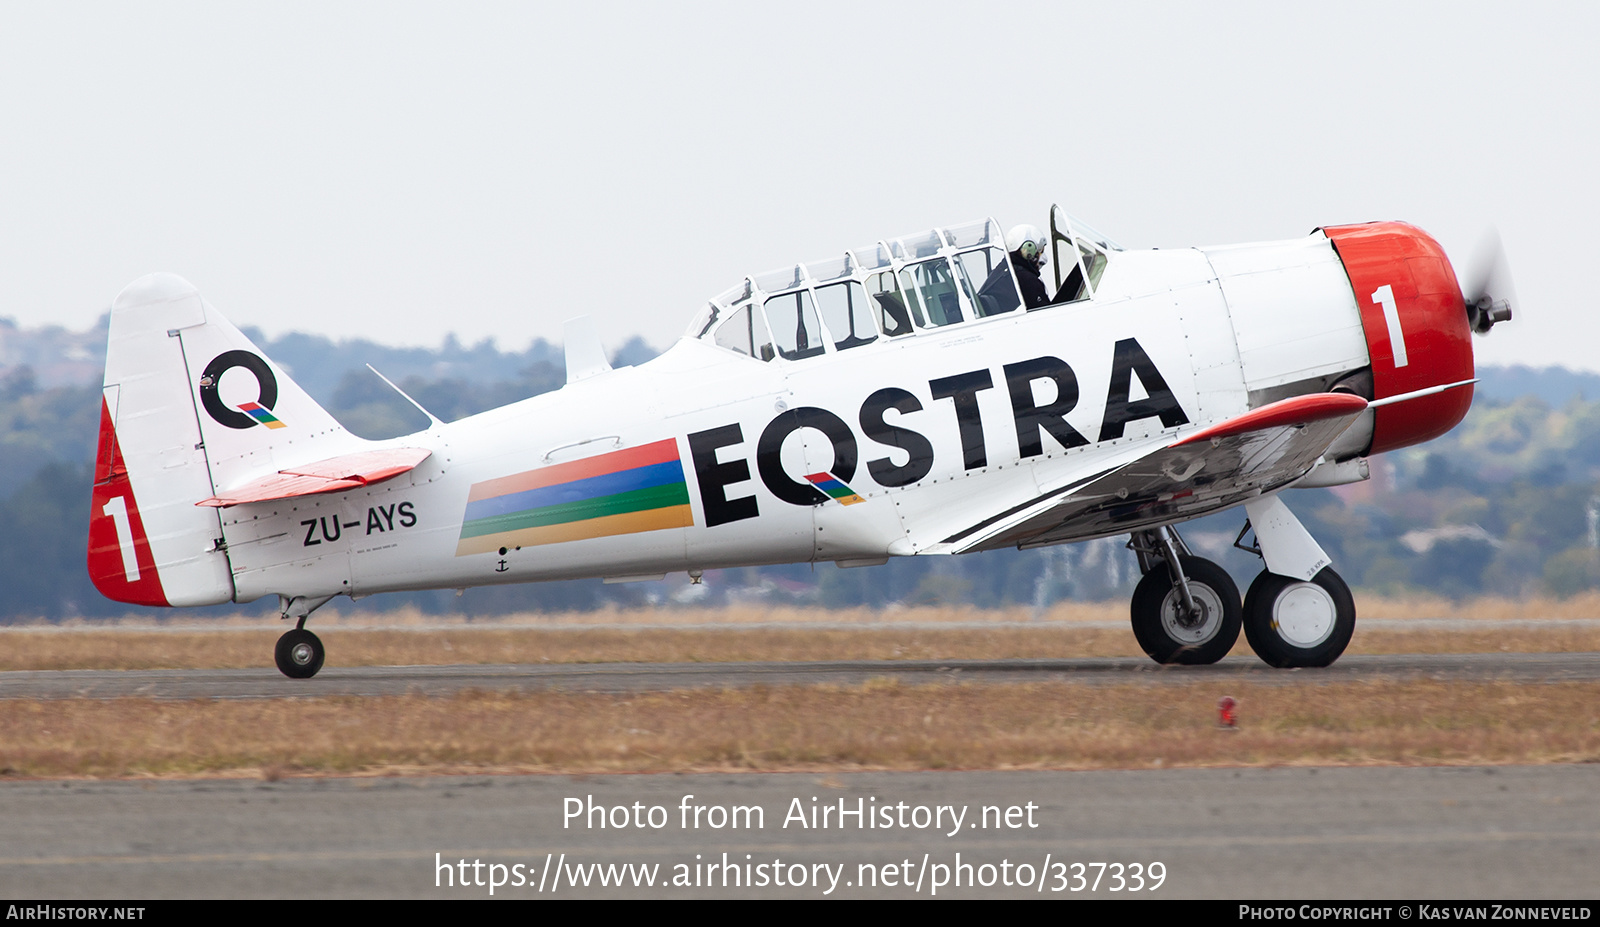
[1291, 623]
[1170, 636]
[299, 654]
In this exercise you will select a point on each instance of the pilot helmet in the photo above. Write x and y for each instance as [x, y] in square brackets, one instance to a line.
[1028, 242]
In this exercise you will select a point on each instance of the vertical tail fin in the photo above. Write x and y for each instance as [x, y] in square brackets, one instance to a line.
[190, 404]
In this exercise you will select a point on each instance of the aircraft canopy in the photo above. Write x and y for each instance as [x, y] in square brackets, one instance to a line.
[891, 289]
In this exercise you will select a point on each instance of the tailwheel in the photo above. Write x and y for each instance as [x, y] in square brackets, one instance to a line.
[1290, 623]
[299, 654]
[1171, 631]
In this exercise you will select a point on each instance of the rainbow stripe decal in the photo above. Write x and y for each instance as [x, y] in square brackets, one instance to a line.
[256, 411]
[623, 492]
[834, 487]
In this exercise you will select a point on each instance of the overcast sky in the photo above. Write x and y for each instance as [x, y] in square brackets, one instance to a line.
[400, 170]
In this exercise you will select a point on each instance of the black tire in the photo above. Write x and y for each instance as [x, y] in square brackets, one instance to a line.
[1157, 623]
[1290, 623]
[299, 654]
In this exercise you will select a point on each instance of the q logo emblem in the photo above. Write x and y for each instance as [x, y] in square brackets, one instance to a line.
[253, 413]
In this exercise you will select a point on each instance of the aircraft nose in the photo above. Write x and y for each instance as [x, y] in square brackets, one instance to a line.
[1417, 326]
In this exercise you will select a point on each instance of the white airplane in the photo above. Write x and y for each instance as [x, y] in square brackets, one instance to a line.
[915, 397]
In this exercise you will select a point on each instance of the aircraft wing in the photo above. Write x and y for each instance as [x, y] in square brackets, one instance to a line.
[332, 475]
[1221, 465]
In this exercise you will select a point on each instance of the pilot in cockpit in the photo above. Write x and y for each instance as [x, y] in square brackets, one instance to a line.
[1026, 244]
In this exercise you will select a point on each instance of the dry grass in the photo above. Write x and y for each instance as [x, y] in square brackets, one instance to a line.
[1546, 639]
[1486, 608]
[35, 649]
[879, 725]
[466, 645]
[646, 616]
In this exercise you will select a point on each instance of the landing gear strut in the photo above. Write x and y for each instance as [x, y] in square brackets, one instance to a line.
[1299, 612]
[1186, 609]
[299, 653]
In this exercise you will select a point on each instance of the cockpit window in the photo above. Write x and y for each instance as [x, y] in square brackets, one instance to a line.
[936, 285]
[889, 305]
[986, 278]
[779, 280]
[734, 294]
[921, 246]
[833, 269]
[704, 319]
[894, 288]
[1079, 255]
[794, 324]
[872, 257]
[743, 330]
[973, 233]
[847, 313]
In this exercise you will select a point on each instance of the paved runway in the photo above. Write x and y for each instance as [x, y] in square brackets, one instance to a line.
[1394, 833]
[636, 677]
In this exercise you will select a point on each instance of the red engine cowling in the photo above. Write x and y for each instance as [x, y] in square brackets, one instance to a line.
[1416, 326]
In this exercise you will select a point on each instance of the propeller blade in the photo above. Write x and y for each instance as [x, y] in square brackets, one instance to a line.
[1490, 293]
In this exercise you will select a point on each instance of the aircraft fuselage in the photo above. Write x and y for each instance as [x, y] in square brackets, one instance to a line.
[929, 431]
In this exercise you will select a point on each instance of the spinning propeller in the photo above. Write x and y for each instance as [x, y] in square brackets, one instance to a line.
[1489, 293]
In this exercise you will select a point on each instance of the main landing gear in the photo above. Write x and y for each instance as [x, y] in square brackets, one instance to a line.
[299, 653]
[1298, 612]
[1292, 623]
[1186, 609]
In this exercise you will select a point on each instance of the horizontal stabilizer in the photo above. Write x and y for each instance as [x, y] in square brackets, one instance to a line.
[332, 475]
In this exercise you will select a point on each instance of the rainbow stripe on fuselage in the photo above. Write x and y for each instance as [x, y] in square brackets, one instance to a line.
[835, 488]
[622, 492]
[258, 412]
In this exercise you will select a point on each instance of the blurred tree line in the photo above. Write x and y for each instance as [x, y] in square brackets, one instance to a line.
[1506, 504]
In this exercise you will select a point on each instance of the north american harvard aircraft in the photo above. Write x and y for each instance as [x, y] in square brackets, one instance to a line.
[919, 396]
